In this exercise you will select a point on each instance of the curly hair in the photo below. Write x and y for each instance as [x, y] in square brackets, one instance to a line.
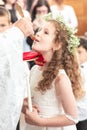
[62, 59]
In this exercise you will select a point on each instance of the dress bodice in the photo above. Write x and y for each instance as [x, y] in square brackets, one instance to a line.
[48, 102]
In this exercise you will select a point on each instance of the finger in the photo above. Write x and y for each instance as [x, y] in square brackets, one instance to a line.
[27, 120]
[26, 99]
[25, 103]
[27, 112]
[32, 97]
[36, 107]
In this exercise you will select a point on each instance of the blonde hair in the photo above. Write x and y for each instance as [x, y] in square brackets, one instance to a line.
[5, 12]
[62, 58]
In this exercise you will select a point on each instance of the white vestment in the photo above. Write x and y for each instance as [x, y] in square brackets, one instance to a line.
[14, 74]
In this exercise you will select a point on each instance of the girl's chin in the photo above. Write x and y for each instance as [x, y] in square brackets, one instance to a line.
[34, 49]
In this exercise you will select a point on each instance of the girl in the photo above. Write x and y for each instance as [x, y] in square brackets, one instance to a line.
[56, 84]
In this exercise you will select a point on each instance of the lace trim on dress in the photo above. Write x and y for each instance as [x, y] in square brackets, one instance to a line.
[72, 118]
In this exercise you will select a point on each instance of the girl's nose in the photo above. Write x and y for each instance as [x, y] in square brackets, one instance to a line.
[38, 34]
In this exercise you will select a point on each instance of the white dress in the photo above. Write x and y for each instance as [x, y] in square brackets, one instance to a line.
[49, 105]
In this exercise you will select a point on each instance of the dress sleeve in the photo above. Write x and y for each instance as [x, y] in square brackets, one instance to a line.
[71, 118]
[66, 96]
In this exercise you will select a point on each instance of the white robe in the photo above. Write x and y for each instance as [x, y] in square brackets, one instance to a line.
[14, 74]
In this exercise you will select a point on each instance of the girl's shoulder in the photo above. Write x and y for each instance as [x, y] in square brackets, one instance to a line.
[62, 75]
[61, 71]
[62, 82]
[62, 78]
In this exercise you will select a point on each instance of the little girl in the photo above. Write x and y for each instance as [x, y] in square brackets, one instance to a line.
[56, 85]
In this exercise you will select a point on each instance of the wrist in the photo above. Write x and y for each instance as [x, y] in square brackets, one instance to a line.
[41, 122]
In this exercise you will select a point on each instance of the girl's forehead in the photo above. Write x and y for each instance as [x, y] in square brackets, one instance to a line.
[48, 25]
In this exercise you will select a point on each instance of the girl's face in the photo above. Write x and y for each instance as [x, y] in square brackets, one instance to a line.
[45, 37]
[82, 54]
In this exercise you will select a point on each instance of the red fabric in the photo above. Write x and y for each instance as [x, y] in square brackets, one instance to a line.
[30, 56]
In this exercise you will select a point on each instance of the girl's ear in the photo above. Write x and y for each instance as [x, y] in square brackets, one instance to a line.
[57, 46]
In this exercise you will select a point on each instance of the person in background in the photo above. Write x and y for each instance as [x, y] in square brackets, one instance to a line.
[33, 3]
[29, 4]
[14, 73]
[56, 85]
[5, 19]
[23, 4]
[10, 5]
[1, 3]
[82, 103]
[40, 9]
[59, 8]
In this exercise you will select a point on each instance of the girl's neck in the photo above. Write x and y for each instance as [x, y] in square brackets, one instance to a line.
[47, 56]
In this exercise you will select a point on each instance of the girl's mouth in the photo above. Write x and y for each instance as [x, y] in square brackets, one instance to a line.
[36, 40]
[33, 38]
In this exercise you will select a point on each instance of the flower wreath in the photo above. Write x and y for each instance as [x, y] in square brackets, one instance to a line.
[73, 41]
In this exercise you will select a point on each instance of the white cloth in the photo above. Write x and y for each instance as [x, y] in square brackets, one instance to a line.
[26, 47]
[14, 73]
[25, 12]
[49, 104]
[68, 13]
[82, 103]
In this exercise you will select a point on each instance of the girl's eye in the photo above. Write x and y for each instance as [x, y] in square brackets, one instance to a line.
[46, 32]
